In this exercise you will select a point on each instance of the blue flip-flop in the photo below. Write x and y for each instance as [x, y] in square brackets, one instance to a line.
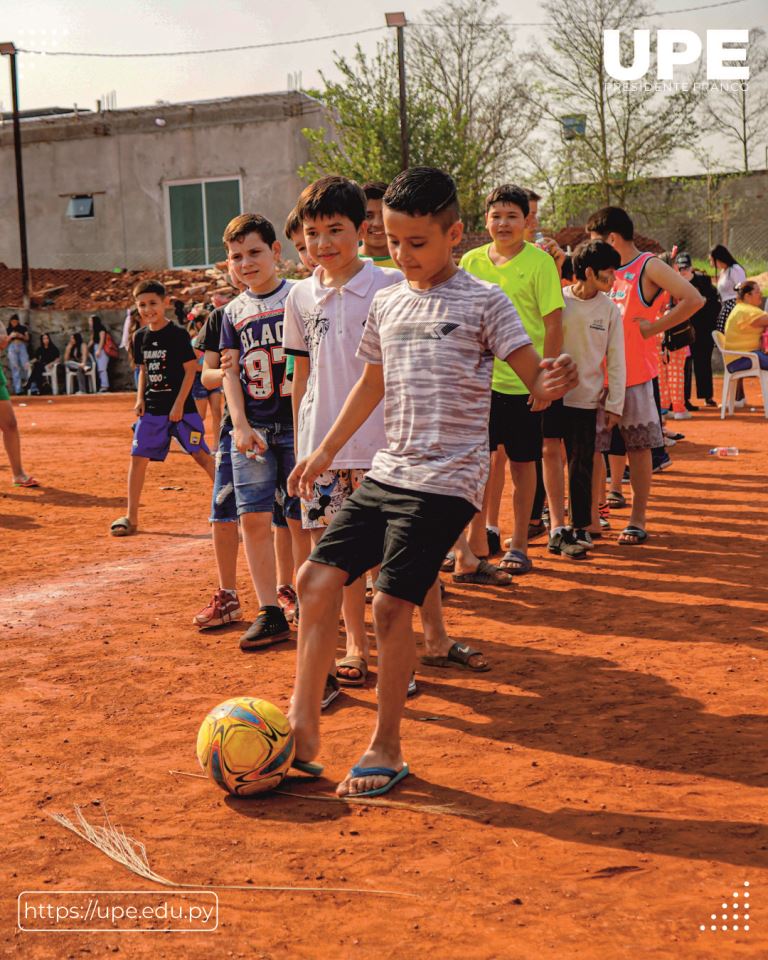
[395, 777]
[307, 766]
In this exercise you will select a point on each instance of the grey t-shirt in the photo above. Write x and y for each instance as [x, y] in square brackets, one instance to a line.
[437, 348]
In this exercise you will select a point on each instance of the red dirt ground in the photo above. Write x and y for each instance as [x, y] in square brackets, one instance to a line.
[608, 777]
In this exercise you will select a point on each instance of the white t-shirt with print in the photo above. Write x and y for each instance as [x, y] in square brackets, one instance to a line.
[437, 348]
[326, 324]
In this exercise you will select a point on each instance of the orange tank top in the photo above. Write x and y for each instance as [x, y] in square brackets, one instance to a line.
[627, 294]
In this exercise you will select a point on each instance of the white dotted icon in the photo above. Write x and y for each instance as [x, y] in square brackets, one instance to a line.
[735, 916]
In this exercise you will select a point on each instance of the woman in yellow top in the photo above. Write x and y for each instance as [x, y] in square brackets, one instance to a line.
[743, 331]
[747, 321]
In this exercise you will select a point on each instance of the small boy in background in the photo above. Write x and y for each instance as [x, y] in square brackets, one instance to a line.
[164, 404]
[594, 336]
[374, 245]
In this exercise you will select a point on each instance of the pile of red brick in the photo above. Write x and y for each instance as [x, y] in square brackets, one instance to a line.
[103, 290]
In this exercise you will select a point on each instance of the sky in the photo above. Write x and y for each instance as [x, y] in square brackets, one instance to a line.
[143, 26]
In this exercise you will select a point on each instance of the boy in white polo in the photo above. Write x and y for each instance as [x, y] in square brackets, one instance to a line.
[324, 320]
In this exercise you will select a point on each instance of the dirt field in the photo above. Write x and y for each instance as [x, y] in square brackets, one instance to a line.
[608, 777]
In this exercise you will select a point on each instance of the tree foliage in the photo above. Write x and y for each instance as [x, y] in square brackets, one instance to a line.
[631, 129]
[466, 111]
[738, 111]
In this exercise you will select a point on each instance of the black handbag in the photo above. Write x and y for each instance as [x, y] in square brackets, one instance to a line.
[676, 338]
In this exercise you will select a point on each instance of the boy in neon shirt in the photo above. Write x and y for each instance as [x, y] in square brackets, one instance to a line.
[530, 279]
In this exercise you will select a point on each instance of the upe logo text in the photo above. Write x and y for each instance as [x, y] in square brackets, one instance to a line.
[677, 48]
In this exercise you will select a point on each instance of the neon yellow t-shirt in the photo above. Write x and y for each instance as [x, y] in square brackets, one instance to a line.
[532, 283]
[739, 332]
[383, 262]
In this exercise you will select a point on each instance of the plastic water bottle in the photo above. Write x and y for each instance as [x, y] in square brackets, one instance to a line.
[724, 452]
[538, 238]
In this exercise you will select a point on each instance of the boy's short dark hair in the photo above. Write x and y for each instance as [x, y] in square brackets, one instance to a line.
[422, 192]
[596, 254]
[292, 224]
[332, 196]
[239, 227]
[509, 193]
[533, 197]
[148, 286]
[611, 220]
[374, 189]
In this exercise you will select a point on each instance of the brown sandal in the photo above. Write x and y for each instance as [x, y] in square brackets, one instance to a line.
[486, 575]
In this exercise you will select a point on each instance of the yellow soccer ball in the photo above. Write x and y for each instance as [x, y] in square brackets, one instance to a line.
[246, 746]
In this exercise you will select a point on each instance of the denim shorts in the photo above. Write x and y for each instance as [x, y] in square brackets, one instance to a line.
[223, 506]
[256, 482]
[199, 392]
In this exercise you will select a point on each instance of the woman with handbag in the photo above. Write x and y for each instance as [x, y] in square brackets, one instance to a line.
[102, 348]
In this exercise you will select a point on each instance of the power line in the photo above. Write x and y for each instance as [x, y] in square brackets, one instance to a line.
[328, 36]
[195, 53]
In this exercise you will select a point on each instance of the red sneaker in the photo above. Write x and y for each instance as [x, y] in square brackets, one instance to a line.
[223, 608]
[286, 597]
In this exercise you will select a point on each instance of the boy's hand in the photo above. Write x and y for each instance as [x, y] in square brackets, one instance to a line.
[177, 412]
[225, 361]
[555, 251]
[645, 328]
[301, 481]
[538, 405]
[559, 376]
[612, 420]
[139, 408]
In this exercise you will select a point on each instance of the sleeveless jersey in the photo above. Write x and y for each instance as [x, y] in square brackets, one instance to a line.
[641, 354]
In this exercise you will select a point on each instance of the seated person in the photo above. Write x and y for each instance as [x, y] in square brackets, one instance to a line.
[43, 361]
[745, 325]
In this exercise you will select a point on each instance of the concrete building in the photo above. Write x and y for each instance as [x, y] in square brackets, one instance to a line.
[151, 187]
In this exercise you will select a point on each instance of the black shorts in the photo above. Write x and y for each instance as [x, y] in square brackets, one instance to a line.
[515, 426]
[406, 531]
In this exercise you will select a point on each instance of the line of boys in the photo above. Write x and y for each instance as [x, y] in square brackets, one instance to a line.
[256, 387]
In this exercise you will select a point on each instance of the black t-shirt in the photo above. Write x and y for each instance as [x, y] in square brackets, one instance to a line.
[20, 328]
[209, 339]
[164, 353]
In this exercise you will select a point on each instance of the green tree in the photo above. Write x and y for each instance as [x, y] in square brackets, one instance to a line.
[632, 130]
[737, 111]
[466, 112]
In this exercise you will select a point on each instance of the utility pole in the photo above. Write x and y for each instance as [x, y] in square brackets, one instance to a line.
[398, 20]
[9, 50]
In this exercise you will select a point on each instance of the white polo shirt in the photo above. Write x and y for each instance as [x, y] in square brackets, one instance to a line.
[326, 325]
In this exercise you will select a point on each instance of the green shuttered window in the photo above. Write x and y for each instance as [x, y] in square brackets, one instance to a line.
[199, 212]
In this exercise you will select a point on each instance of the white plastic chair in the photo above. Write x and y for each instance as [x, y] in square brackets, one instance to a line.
[51, 374]
[90, 374]
[730, 379]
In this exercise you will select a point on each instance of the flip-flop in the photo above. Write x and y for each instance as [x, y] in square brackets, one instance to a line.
[308, 767]
[122, 527]
[395, 777]
[29, 482]
[523, 563]
[459, 656]
[486, 575]
[536, 530]
[352, 663]
[632, 531]
[616, 500]
[449, 563]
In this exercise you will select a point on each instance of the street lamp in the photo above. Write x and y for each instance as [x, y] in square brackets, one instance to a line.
[9, 50]
[398, 20]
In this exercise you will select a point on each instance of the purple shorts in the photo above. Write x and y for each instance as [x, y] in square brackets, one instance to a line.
[152, 436]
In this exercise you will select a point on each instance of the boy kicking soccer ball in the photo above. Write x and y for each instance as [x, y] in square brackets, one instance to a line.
[428, 346]
[164, 404]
